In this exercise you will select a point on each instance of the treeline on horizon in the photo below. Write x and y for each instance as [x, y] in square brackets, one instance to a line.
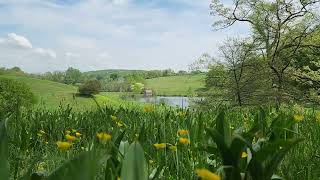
[111, 80]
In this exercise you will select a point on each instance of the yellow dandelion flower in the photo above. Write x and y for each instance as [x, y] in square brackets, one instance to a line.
[182, 114]
[298, 118]
[184, 141]
[205, 174]
[147, 108]
[182, 132]
[173, 148]
[63, 145]
[104, 137]
[119, 124]
[78, 134]
[70, 138]
[160, 146]
[114, 118]
[244, 154]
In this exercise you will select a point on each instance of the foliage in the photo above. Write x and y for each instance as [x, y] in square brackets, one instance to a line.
[14, 95]
[279, 30]
[137, 88]
[273, 131]
[72, 76]
[90, 87]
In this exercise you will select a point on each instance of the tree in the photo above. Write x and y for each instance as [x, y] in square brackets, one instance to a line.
[90, 87]
[73, 76]
[202, 63]
[137, 87]
[114, 76]
[14, 95]
[279, 27]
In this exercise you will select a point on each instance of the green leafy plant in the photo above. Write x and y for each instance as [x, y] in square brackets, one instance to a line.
[255, 154]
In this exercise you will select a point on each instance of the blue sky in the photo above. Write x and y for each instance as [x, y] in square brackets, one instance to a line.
[48, 35]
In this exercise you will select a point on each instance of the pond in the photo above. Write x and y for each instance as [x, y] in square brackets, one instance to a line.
[180, 101]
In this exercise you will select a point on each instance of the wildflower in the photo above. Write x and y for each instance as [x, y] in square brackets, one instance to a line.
[151, 161]
[68, 132]
[63, 145]
[119, 124]
[182, 114]
[103, 137]
[160, 146]
[173, 148]
[205, 174]
[147, 108]
[244, 154]
[184, 141]
[78, 134]
[70, 138]
[182, 132]
[114, 118]
[298, 118]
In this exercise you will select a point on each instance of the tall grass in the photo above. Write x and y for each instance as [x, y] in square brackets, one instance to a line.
[33, 135]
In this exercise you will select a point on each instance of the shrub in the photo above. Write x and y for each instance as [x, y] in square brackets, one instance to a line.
[90, 87]
[14, 95]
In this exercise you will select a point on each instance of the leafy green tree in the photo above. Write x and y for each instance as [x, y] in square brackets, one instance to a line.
[73, 76]
[90, 87]
[14, 95]
[279, 28]
[137, 87]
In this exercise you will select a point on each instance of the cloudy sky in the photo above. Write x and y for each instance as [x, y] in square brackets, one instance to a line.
[48, 35]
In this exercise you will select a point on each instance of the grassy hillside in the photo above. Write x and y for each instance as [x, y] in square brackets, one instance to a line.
[52, 94]
[176, 85]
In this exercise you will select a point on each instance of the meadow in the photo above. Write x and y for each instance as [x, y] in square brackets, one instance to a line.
[182, 85]
[166, 143]
[51, 94]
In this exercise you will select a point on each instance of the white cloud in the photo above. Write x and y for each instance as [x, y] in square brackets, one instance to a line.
[13, 39]
[45, 52]
[71, 55]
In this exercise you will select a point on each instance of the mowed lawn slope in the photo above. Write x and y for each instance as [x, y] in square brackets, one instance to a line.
[52, 94]
[176, 85]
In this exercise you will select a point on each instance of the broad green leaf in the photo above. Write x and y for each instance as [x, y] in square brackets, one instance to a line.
[223, 127]
[82, 167]
[4, 166]
[264, 162]
[134, 166]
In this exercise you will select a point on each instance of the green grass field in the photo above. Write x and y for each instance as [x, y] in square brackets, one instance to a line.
[176, 85]
[52, 94]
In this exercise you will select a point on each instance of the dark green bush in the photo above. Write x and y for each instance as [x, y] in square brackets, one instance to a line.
[14, 95]
[89, 88]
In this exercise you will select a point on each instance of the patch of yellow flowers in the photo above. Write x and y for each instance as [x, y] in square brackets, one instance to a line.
[298, 118]
[104, 137]
[147, 108]
[205, 174]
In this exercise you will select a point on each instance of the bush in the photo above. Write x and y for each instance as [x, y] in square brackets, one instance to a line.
[14, 95]
[90, 87]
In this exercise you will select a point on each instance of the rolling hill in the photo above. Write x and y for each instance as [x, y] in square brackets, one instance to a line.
[52, 94]
[176, 85]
